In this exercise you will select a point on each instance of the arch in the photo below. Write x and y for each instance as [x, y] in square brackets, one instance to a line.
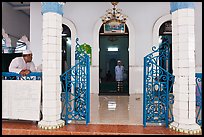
[73, 37]
[157, 25]
[95, 62]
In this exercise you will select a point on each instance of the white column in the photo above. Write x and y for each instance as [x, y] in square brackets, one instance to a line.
[183, 57]
[51, 66]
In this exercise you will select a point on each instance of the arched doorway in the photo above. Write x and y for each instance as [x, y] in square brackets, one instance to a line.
[113, 47]
[133, 69]
[66, 48]
[73, 34]
[165, 30]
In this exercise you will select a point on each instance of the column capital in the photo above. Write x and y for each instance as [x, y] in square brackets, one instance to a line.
[52, 7]
[181, 5]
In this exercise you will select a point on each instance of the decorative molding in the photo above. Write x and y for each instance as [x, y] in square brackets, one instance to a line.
[51, 125]
[181, 5]
[191, 132]
[52, 7]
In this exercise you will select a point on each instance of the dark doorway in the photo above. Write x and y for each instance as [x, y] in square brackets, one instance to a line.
[165, 30]
[113, 47]
[66, 48]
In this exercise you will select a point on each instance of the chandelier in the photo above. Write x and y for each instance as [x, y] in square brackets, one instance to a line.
[114, 15]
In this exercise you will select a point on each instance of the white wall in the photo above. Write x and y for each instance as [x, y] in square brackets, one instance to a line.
[143, 15]
[36, 32]
[86, 14]
[15, 23]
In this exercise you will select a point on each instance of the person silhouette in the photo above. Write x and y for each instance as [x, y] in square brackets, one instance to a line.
[119, 70]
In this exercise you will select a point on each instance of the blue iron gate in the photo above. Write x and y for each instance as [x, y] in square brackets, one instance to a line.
[199, 98]
[75, 94]
[158, 82]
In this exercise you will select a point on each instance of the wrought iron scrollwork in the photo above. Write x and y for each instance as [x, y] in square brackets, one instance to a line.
[158, 83]
[199, 98]
[76, 89]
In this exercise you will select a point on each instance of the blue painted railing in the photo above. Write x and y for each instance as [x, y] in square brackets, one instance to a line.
[75, 94]
[198, 98]
[158, 83]
[8, 49]
[16, 76]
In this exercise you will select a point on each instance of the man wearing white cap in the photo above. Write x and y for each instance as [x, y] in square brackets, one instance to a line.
[23, 65]
[119, 70]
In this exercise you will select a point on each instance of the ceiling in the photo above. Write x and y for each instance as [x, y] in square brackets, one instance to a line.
[21, 6]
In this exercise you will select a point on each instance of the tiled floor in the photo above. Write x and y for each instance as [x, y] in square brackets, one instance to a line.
[120, 110]
[109, 115]
[30, 128]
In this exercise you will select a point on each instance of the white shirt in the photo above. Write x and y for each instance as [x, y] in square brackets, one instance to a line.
[119, 73]
[18, 63]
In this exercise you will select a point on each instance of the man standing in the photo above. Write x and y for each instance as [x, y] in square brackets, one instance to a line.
[23, 65]
[119, 70]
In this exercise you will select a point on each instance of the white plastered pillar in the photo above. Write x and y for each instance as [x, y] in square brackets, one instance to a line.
[183, 58]
[51, 65]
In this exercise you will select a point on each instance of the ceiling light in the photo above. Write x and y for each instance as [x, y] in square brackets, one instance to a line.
[114, 15]
[112, 49]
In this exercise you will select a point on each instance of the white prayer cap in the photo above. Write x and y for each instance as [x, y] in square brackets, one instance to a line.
[119, 61]
[25, 52]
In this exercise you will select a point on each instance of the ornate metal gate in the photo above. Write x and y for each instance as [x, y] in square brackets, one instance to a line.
[75, 94]
[199, 98]
[158, 82]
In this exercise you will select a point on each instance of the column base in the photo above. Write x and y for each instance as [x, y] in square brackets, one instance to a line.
[185, 128]
[47, 125]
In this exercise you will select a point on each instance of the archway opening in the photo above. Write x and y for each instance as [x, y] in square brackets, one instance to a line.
[165, 30]
[66, 48]
[113, 47]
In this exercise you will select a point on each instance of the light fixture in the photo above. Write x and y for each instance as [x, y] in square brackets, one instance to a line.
[112, 49]
[114, 15]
